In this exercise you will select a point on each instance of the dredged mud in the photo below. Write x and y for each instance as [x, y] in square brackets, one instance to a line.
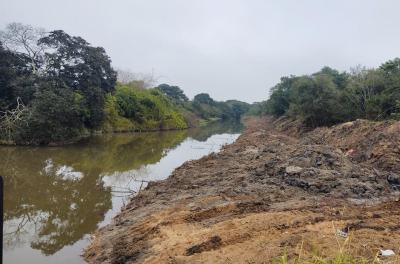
[277, 190]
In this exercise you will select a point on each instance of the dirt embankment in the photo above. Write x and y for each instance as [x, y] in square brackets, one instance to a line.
[277, 190]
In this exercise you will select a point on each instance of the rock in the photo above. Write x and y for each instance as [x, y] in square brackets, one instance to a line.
[341, 233]
[293, 169]
[393, 179]
[260, 171]
[359, 189]
[350, 152]
[297, 183]
[250, 150]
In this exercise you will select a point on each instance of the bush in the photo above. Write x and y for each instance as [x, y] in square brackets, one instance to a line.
[132, 108]
[54, 116]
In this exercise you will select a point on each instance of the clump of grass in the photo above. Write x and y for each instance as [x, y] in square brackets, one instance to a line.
[339, 259]
[343, 255]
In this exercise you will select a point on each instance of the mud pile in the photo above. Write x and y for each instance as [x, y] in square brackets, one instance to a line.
[375, 143]
[277, 188]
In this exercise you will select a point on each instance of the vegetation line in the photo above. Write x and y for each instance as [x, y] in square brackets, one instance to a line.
[329, 97]
[56, 89]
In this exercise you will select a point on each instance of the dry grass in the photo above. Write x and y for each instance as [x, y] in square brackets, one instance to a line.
[344, 254]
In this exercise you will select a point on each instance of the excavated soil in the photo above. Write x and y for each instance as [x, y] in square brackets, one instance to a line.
[278, 190]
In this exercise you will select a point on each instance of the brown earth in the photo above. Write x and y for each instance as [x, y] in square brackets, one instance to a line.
[278, 190]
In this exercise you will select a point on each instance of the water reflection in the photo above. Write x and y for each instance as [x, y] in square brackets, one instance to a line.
[48, 202]
[55, 196]
[202, 134]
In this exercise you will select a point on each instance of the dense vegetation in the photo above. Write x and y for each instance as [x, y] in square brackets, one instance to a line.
[57, 88]
[203, 107]
[53, 86]
[328, 97]
[134, 108]
[131, 108]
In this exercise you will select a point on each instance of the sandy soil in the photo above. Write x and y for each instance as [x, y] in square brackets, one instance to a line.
[278, 190]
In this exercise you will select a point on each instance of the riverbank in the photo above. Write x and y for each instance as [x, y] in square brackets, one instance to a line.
[276, 191]
[87, 134]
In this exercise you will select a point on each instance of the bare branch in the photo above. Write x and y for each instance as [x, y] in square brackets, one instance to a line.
[23, 39]
[11, 119]
[141, 80]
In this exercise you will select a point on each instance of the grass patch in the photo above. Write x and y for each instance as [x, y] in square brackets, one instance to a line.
[344, 253]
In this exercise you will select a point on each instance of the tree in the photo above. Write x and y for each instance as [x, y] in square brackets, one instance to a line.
[76, 63]
[81, 67]
[174, 92]
[52, 86]
[203, 98]
[391, 66]
[22, 40]
[340, 79]
[362, 92]
[55, 115]
[237, 108]
[278, 103]
[8, 74]
[391, 94]
[314, 100]
[328, 97]
[14, 79]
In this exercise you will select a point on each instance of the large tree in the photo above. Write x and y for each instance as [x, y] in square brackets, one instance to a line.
[52, 85]
[8, 73]
[203, 98]
[174, 92]
[76, 63]
[16, 79]
[85, 69]
[55, 115]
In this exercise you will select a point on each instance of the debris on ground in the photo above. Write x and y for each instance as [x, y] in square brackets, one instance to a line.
[387, 253]
[341, 233]
[277, 189]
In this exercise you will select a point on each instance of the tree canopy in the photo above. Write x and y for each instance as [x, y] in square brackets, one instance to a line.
[173, 91]
[56, 88]
[58, 81]
[328, 97]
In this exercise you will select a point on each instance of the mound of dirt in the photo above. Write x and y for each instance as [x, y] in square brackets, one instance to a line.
[375, 143]
[275, 189]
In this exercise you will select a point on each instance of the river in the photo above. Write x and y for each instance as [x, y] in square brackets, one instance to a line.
[55, 197]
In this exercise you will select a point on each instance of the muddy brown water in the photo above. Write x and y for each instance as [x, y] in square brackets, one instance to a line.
[55, 197]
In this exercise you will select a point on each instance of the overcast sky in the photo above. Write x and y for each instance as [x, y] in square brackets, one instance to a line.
[231, 49]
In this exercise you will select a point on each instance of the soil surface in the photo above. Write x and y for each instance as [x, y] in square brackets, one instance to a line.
[278, 190]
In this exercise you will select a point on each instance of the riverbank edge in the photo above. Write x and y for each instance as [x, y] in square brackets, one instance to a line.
[88, 134]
